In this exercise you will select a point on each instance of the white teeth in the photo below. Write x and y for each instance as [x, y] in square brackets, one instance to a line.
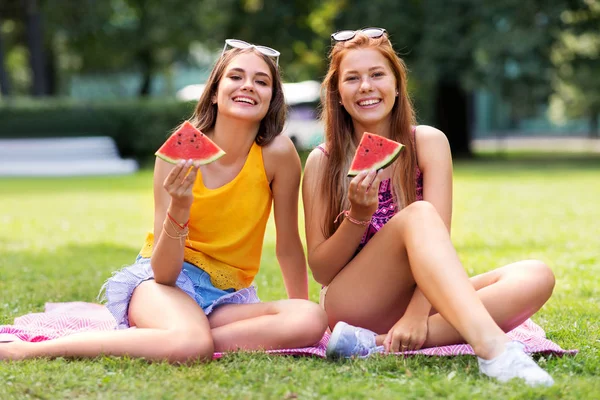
[368, 102]
[244, 100]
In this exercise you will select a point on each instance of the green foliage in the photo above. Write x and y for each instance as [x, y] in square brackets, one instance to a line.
[62, 238]
[522, 51]
[576, 57]
[139, 127]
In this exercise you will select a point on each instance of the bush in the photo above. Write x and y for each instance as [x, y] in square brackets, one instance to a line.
[138, 127]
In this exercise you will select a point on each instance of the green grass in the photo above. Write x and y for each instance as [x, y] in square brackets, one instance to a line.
[61, 238]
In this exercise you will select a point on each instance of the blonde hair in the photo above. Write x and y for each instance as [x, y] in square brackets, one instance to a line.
[339, 132]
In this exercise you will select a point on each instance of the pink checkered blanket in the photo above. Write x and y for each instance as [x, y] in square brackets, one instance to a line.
[61, 319]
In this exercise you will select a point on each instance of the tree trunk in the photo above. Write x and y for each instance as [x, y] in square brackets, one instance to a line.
[50, 72]
[33, 22]
[147, 66]
[453, 116]
[4, 80]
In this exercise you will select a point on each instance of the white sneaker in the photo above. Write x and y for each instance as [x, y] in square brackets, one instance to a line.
[349, 341]
[514, 363]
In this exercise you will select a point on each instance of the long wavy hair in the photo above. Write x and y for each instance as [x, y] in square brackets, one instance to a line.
[339, 132]
[205, 113]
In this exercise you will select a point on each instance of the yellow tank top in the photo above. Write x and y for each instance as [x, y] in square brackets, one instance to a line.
[227, 225]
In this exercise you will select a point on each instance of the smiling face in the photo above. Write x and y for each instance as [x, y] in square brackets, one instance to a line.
[367, 87]
[246, 88]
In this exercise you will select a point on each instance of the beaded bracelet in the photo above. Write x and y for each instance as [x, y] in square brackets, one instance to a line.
[346, 213]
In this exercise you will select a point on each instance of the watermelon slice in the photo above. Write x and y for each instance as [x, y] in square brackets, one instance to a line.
[374, 152]
[188, 143]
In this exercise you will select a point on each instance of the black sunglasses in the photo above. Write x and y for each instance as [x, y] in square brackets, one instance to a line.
[343, 36]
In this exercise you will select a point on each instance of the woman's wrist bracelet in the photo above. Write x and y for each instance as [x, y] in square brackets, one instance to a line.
[180, 234]
[346, 214]
[177, 223]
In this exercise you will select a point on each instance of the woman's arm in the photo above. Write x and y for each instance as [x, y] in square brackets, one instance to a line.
[327, 257]
[172, 194]
[282, 160]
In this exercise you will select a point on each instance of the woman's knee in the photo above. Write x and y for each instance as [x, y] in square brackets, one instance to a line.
[307, 319]
[538, 275]
[542, 274]
[420, 212]
[188, 346]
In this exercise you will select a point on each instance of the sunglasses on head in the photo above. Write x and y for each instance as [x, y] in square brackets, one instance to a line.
[240, 44]
[343, 36]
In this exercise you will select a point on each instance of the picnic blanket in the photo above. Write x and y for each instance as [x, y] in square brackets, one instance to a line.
[61, 319]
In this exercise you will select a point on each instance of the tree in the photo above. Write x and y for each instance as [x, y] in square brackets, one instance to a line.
[432, 37]
[116, 35]
[26, 16]
[576, 55]
[455, 47]
[35, 41]
[4, 80]
[286, 26]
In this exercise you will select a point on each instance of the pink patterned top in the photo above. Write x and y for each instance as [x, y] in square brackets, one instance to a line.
[387, 208]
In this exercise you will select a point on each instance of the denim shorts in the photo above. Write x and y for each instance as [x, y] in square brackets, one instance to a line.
[117, 291]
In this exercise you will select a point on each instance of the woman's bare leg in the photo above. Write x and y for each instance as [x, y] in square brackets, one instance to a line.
[511, 294]
[169, 326]
[272, 325]
[414, 247]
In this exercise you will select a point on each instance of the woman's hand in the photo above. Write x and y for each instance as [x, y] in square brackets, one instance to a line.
[409, 333]
[179, 184]
[363, 194]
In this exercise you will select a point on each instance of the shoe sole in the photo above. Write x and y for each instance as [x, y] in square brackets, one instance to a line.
[333, 340]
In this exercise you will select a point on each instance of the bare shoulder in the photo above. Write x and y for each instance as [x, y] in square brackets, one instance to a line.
[280, 147]
[432, 146]
[428, 134]
[280, 157]
[316, 158]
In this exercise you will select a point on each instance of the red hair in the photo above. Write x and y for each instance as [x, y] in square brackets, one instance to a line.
[339, 132]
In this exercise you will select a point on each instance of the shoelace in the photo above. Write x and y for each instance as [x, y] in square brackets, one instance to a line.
[361, 339]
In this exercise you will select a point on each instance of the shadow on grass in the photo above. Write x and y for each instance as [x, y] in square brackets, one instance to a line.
[70, 273]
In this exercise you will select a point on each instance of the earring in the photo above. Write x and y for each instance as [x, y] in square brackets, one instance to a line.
[397, 93]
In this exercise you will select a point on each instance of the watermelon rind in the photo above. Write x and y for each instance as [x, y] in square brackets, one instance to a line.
[186, 129]
[383, 163]
[203, 161]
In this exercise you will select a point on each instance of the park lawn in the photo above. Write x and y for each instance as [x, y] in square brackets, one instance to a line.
[61, 238]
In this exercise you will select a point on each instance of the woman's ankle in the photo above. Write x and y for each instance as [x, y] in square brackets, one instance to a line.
[491, 348]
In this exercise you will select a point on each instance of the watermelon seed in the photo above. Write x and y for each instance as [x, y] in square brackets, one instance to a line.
[178, 142]
[191, 140]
